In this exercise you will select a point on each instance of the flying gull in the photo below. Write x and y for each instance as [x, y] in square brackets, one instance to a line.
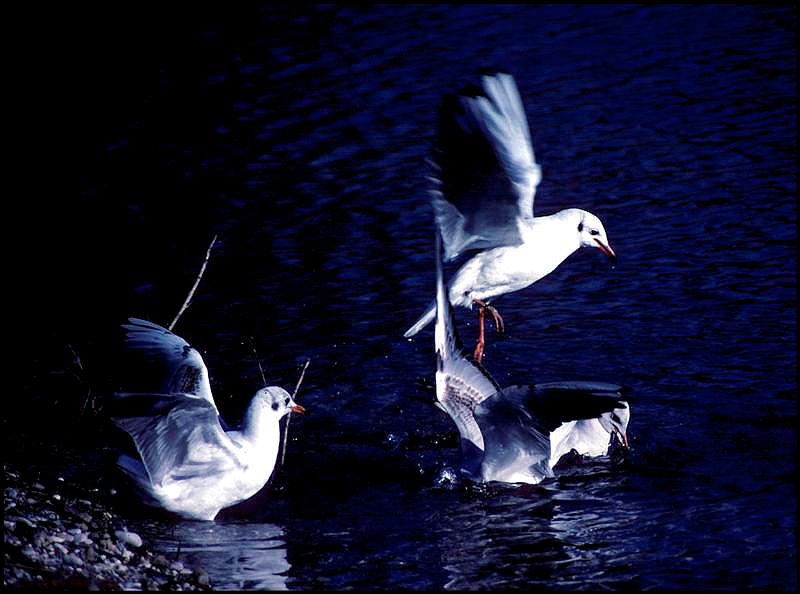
[485, 180]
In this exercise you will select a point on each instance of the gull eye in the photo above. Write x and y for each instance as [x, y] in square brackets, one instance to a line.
[594, 232]
[274, 406]
[580, 226]
[286, 401]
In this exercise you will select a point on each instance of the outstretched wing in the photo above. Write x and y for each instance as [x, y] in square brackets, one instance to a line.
[187, 372]
[177, 436]
[485, 173]
[554, 403]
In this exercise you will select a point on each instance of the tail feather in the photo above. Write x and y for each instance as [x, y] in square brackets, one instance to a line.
[423, 321]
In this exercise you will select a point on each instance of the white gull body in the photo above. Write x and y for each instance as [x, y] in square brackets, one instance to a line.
[485, 182]
[189, 464]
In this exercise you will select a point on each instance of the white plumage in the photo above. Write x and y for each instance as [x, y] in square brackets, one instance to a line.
[188, 464]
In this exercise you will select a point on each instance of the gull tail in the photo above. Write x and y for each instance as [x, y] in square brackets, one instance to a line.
[423, 321]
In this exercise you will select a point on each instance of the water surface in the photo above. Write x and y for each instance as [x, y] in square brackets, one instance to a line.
[299, 137]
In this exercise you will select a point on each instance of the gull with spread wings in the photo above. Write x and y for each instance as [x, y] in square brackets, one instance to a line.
[485, 180]
[188, 463]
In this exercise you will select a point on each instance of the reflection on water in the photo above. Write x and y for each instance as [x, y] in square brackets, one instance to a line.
[237, 556]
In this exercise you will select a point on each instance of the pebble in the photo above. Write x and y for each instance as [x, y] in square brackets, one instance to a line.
[129, 538]
[71, 559]
[65, 547]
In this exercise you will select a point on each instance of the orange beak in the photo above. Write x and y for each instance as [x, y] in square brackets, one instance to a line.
[606, 249]
[297, 409]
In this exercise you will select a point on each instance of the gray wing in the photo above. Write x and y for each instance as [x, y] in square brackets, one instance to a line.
[177, 436]
[485, 174]
[187, 372]
[517, 446]
[554, 403]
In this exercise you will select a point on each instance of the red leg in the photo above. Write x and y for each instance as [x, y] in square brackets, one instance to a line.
[478, 354]
[499, 326]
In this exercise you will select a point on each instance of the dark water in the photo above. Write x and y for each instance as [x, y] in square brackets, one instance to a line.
[299, 136]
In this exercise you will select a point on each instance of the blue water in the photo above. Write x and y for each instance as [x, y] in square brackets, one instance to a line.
[299, 137]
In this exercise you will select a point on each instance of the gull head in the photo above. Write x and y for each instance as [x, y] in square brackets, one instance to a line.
[275, 401]
[591, 233]
[616, 422]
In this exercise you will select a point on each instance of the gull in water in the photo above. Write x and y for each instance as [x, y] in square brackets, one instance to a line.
[188, 463]
[485, 181]
[518, 434]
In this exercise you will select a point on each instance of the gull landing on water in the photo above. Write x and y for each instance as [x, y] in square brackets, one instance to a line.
[485, 181]
[189, 464]
[518, 434]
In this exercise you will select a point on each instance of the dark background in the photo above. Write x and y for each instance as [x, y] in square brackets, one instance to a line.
[298, 136]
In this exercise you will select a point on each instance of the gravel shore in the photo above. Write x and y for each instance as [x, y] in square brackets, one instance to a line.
[58, 537]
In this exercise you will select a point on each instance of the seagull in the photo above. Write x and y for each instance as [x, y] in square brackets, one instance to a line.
[188, 463]
[518, 434]
[485, 179]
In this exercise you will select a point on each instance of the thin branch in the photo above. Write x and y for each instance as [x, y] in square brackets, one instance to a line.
[196, 282]
[299, 381]
[261, 369]
[289, 418]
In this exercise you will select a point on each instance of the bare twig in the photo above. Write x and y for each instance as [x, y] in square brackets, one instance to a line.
[80, 376]
[75, 356]
[196, 282]
[299, 381]
[261, 369]
[289, 418]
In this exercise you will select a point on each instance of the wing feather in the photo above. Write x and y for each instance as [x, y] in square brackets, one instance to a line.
[187, 372]
[178, 437]
[485, 168]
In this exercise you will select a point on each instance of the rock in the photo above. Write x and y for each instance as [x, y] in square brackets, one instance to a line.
[30, 553]
[91, 554]
[25, 527]
[160, 561]
[129, 538]
[64, 548]
[71, 559]
[60, 548]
